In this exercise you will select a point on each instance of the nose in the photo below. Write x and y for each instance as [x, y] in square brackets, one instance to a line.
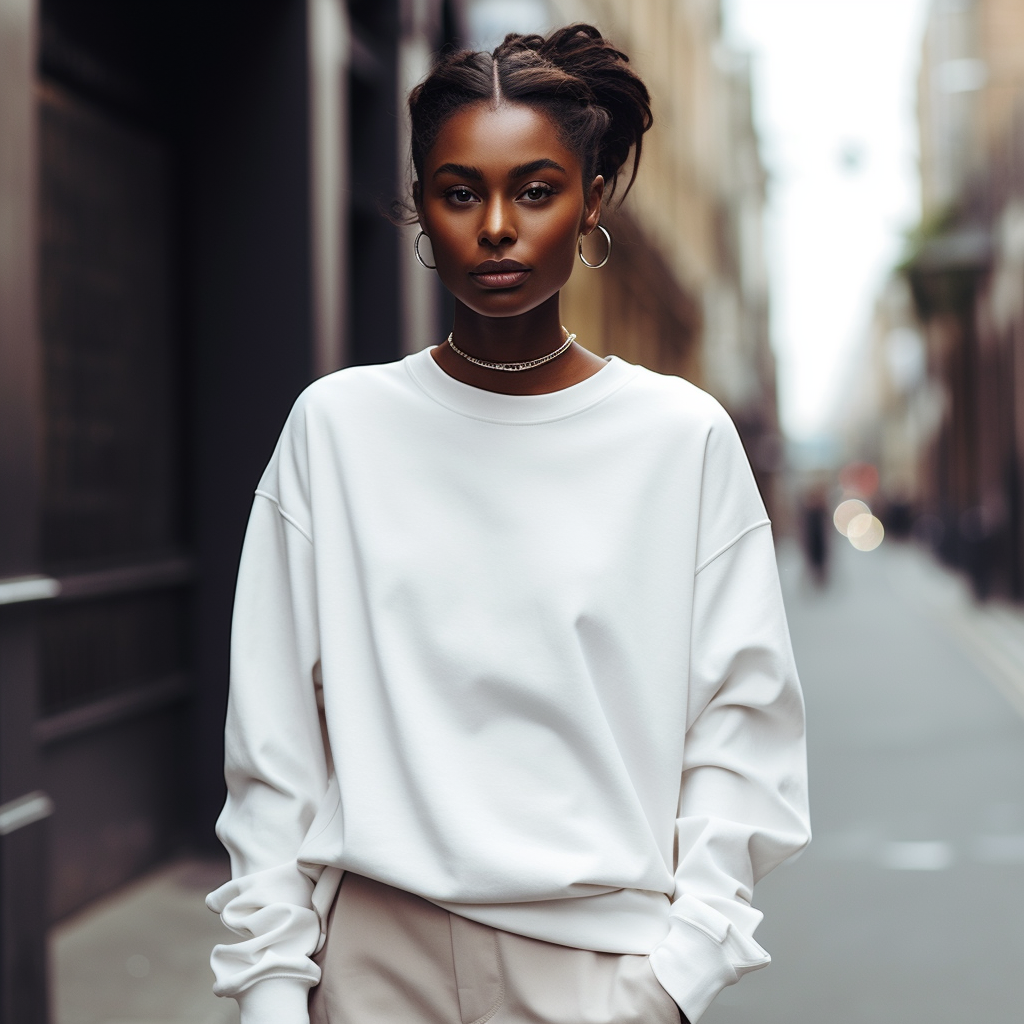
[498, 227]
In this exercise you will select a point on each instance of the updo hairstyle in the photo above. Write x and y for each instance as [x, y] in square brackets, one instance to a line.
[598, 105]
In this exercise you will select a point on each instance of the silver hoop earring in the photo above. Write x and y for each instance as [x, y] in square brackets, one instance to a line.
[416, 249]
[597, 266]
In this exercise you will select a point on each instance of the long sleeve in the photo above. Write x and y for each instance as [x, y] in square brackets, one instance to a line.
[743, 799]
[276, 771]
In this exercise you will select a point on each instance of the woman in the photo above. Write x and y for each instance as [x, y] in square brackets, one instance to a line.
[514, 724]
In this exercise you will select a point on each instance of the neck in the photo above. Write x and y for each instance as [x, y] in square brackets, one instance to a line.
[515, 339]
[510, 339]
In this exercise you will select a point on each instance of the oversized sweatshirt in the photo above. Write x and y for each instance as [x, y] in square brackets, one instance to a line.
[523, 656]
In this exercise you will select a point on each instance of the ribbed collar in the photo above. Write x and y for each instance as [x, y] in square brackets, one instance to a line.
[516, 409]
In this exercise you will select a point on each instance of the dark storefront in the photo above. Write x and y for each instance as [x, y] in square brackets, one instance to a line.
[189, 233]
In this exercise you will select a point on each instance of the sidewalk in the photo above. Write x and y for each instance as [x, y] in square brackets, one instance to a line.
[142, 955]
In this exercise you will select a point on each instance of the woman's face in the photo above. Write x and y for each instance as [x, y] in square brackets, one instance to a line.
[503, 205]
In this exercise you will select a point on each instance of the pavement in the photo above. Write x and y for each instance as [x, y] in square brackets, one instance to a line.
[908, 906]
[142, 956]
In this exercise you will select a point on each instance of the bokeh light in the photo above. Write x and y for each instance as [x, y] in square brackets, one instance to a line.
[846, 512]
[855, 521]
[865, 532]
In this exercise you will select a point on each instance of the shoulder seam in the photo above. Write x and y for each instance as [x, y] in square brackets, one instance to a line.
[284, 515]
[725, 547]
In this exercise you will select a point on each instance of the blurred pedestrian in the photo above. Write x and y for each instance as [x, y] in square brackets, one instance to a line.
[815, 534]
[514, 722]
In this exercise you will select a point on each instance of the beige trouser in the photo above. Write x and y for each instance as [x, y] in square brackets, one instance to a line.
[394, 958]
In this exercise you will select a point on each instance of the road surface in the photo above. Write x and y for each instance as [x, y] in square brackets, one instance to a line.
[909, 905]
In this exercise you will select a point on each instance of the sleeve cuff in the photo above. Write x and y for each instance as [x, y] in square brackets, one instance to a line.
[695, 962]
[275, 1001]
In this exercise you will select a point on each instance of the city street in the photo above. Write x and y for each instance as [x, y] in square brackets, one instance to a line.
[909, 905]
[825, 234]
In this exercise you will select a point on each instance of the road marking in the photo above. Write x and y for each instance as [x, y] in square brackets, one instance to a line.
[932, 855]
[999, 849]
[867, 847]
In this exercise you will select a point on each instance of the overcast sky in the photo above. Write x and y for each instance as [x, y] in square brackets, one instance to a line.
[834, 85]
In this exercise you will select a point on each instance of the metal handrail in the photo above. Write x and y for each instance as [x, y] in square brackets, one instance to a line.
[26, 810]
[123, 579]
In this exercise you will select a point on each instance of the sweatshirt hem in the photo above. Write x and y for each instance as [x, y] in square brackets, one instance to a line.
[620, 921]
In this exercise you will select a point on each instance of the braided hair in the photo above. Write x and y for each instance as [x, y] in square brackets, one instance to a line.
[597, 103]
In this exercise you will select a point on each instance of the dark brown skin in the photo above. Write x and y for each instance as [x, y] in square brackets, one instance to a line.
[499, 184]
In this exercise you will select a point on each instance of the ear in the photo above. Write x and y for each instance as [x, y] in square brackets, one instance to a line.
[592, 205]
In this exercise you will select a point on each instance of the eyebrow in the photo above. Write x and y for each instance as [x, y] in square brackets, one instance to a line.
[521, 171]
[535, 165]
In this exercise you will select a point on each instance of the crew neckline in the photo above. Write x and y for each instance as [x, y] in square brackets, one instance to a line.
[480, 404]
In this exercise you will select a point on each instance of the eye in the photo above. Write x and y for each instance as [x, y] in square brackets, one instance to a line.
[460, 195]
[537, 192]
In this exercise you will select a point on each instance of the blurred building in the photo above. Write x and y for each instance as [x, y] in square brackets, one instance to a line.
[959, 424]
[686, 290]
[191, 231]
[894, 409]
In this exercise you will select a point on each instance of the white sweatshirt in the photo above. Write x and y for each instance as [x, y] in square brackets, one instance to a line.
[524, 656]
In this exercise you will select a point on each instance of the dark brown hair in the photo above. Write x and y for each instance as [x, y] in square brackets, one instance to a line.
[598, 104]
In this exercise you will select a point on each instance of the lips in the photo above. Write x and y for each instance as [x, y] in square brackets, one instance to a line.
[500, 273]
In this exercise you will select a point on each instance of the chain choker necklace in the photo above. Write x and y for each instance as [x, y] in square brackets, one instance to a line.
[514, 367]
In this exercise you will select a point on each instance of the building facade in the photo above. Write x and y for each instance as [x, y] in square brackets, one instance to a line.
[947, 423]
[190, 232]
[686, 290]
